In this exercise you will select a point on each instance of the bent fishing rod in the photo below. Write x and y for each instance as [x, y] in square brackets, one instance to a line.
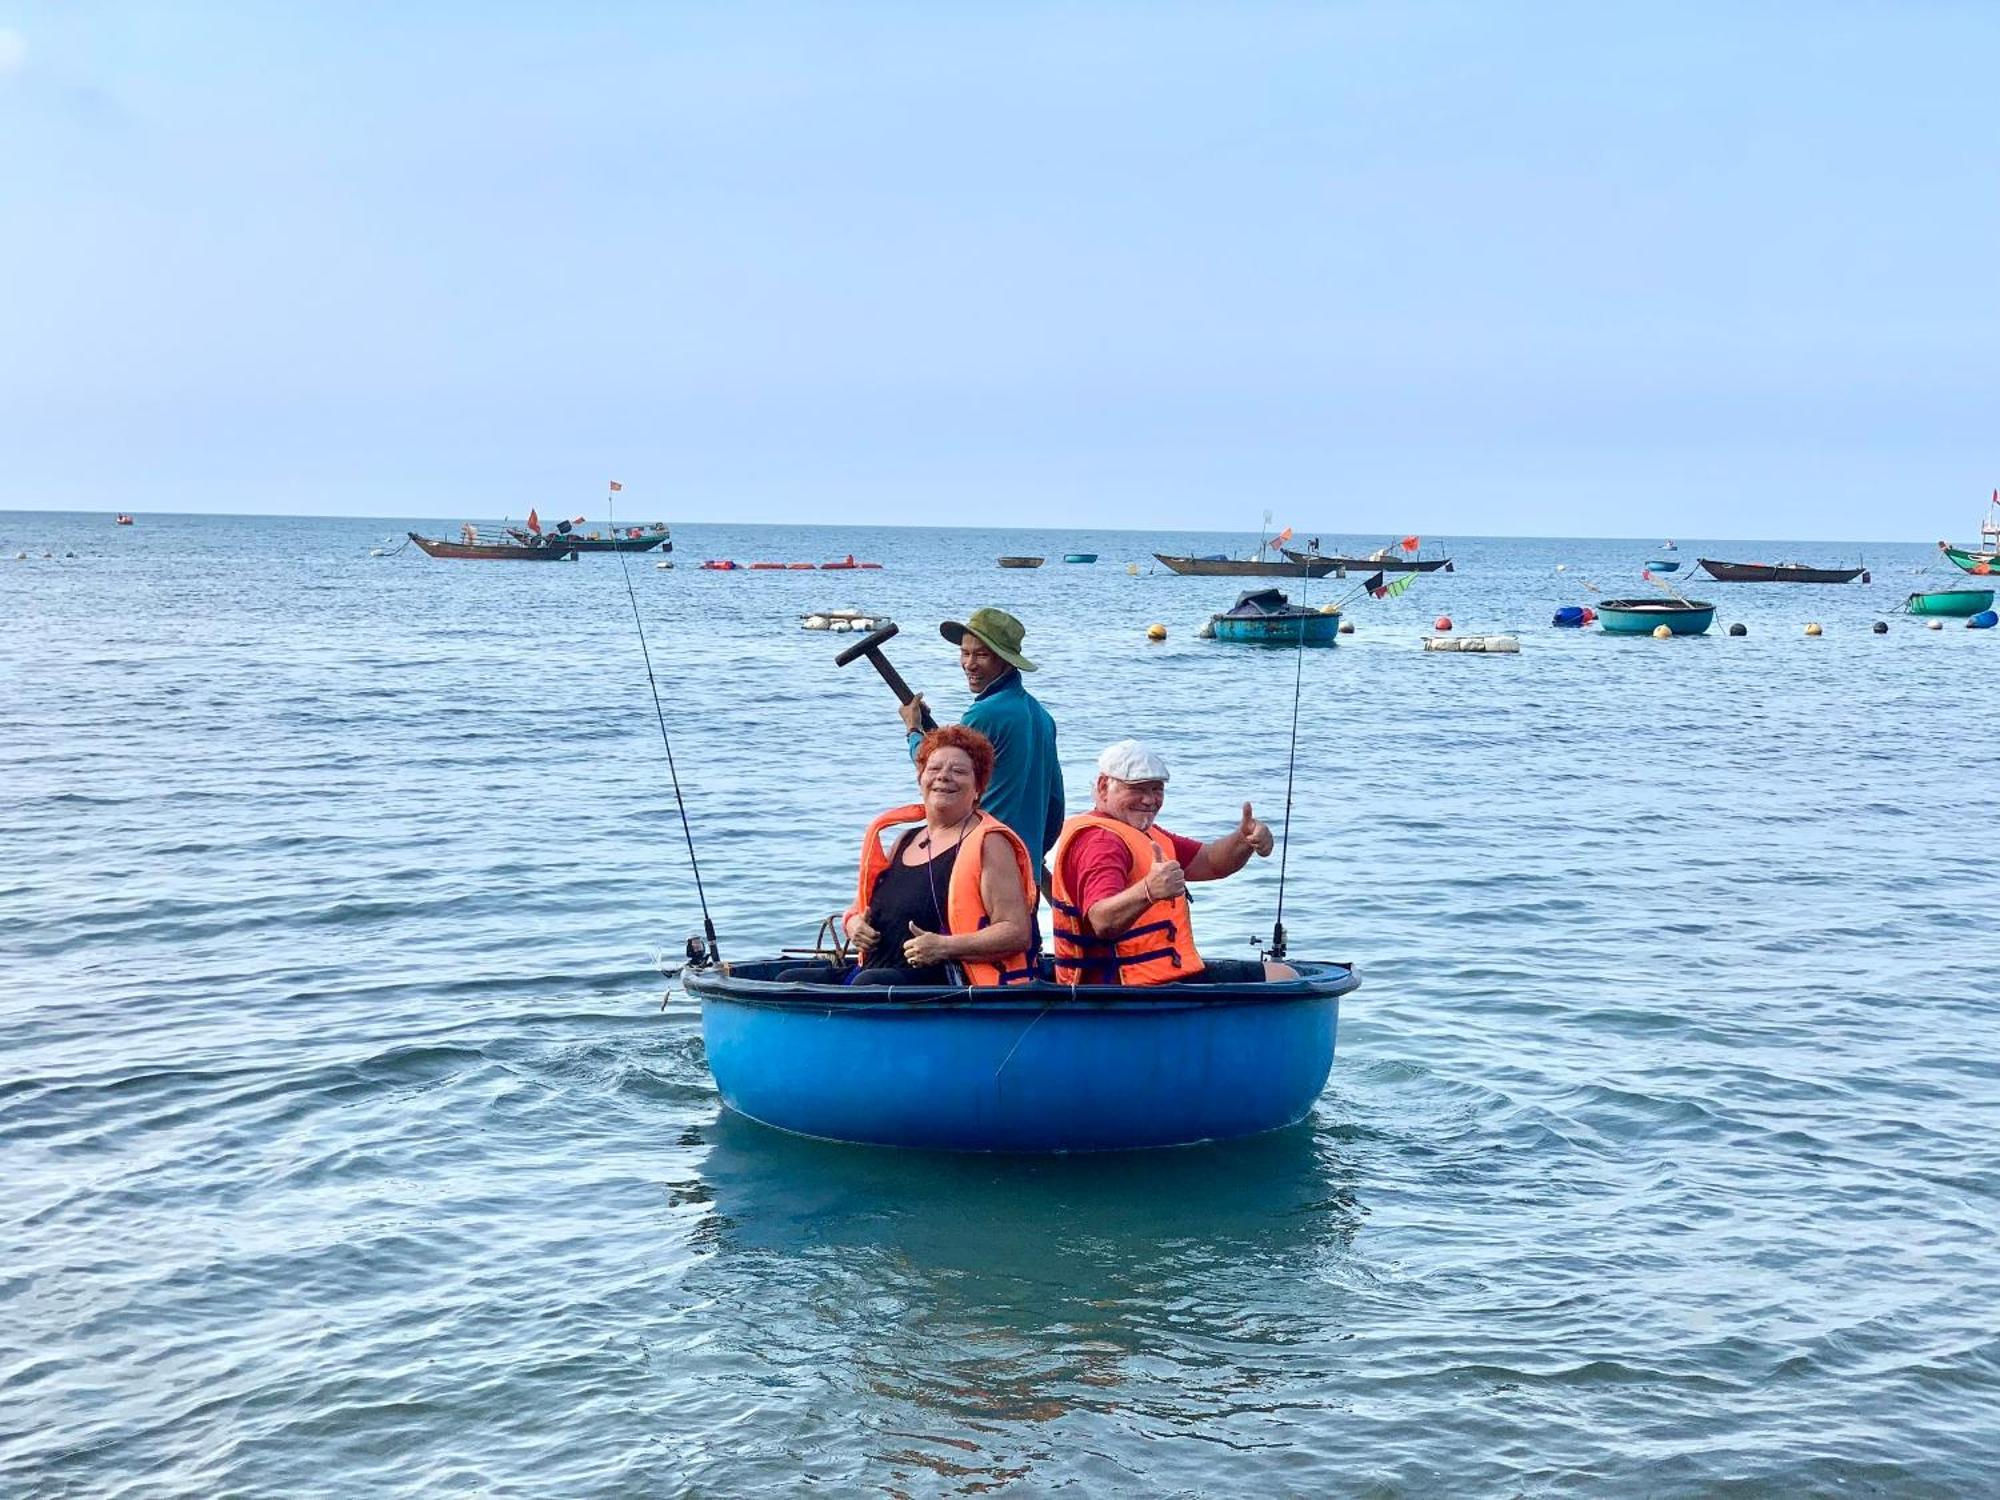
[703, 950]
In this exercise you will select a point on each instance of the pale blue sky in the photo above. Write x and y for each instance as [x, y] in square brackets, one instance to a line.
[1705, 270]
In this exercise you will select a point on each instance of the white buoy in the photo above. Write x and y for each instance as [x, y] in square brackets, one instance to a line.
[813, 622]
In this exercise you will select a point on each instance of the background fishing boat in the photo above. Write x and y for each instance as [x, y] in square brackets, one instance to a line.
[627, 539]
[1952, 603]
[1664, 564]
[1733, 572]
[1079, 557]
[1985, 558]
[1037, 1067]
[1386, 559]
[1020, 562]
[1644, 616]
[1266, 617]
[475, 547]
[1246, 567]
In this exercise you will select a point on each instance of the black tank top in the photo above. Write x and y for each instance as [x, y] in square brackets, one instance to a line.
[906, 894]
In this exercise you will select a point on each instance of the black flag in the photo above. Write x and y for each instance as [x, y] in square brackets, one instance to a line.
[1374, 585]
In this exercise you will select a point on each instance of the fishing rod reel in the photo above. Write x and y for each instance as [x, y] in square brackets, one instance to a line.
[1276, 949]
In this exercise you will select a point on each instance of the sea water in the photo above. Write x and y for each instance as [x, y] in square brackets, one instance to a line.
[348, 1147]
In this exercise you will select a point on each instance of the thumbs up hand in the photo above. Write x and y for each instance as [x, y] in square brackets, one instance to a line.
[1254, 833]
[923, 949]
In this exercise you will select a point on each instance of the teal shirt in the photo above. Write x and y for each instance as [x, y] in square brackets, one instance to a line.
[1026, 792]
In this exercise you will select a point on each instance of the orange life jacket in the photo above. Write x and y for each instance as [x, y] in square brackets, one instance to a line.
[965, 909]
[1157, 948]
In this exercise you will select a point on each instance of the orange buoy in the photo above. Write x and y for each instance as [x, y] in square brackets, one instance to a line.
[1443, 622]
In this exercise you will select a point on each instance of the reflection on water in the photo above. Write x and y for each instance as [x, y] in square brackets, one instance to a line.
[984, 1298]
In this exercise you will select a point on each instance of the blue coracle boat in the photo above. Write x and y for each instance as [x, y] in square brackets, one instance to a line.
[1644, 616]
[1265, 617]
[1031, 1068]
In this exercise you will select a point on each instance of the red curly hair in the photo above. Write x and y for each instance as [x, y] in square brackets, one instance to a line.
[958, 737]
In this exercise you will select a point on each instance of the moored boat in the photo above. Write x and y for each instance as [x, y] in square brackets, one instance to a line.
[1079, 557]
[1644, 616]
[1021, 562]
[475, 547]
[1734, 572]
[1038, 1067]
[1247, 567]
[1985, 558]
[625, 539]
[1664, 564]
[1951, 603]
[1266, 617]
[1385, 560]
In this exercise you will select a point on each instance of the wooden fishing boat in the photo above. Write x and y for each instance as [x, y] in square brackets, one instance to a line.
[1386, 560]
[551, 549]
[1643, 616]
[1265, 617]
[626, 539]
[1021, 562]
[1247, 567]
[1732, 572]
[1952, 603]
[1985, 558]
[1079, 557]
[1037, 1067]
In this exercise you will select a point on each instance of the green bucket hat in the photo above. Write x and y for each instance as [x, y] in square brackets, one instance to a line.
[998, 629]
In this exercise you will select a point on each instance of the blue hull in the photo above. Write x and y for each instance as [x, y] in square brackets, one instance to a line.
[1642, 617]
[1033, 1069]
[1281, 630]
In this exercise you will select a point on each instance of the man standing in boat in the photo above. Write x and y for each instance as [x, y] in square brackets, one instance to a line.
[1120, 888]
[1026, 792]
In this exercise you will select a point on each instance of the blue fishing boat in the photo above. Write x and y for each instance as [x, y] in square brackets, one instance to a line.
[1265, 617]
[1644, 616]
[1664, 564]
[1079, 557]
[1037, 1067]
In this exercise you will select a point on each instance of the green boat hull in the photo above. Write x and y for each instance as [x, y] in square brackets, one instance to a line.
[1972, 562]
[1955, 603]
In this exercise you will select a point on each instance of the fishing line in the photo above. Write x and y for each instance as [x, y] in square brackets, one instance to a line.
[714, 952]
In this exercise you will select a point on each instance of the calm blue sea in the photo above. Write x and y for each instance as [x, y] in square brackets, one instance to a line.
[348, 1147]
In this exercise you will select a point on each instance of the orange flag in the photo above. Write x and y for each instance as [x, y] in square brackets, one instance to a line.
[616, 485]
[1282, 537]
[534, 521]
[1410, 543]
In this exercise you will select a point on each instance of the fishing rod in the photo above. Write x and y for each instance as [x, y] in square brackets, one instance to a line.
[696, 951]
[1277, 948]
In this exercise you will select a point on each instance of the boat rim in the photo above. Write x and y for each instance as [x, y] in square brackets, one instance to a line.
[1318, 980]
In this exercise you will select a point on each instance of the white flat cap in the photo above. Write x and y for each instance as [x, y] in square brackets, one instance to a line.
[1128, 760]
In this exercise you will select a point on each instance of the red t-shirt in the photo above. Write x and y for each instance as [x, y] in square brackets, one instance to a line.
[1098, 864]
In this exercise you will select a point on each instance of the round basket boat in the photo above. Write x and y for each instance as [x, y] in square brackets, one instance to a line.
[1643, 616]
[1036, 1067]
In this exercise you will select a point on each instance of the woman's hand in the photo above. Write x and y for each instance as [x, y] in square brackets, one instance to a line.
[861, 934]
[924, 949]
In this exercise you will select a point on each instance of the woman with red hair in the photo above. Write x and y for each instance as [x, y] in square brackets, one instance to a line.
[952, 900]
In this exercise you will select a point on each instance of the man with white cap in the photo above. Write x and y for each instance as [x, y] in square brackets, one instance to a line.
[1120, 883]
[1026, 792]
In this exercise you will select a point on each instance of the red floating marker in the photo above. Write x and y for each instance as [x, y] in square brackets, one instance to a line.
[1444, 622]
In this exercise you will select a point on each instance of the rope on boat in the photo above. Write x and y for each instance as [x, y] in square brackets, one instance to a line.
[713, 952]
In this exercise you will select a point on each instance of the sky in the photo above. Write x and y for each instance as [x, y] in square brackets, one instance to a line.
[1712, 270]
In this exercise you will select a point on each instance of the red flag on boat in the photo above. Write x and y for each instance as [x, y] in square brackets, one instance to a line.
[616, 485]
[534, 521]
[1282, 537]
[1410, 543]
